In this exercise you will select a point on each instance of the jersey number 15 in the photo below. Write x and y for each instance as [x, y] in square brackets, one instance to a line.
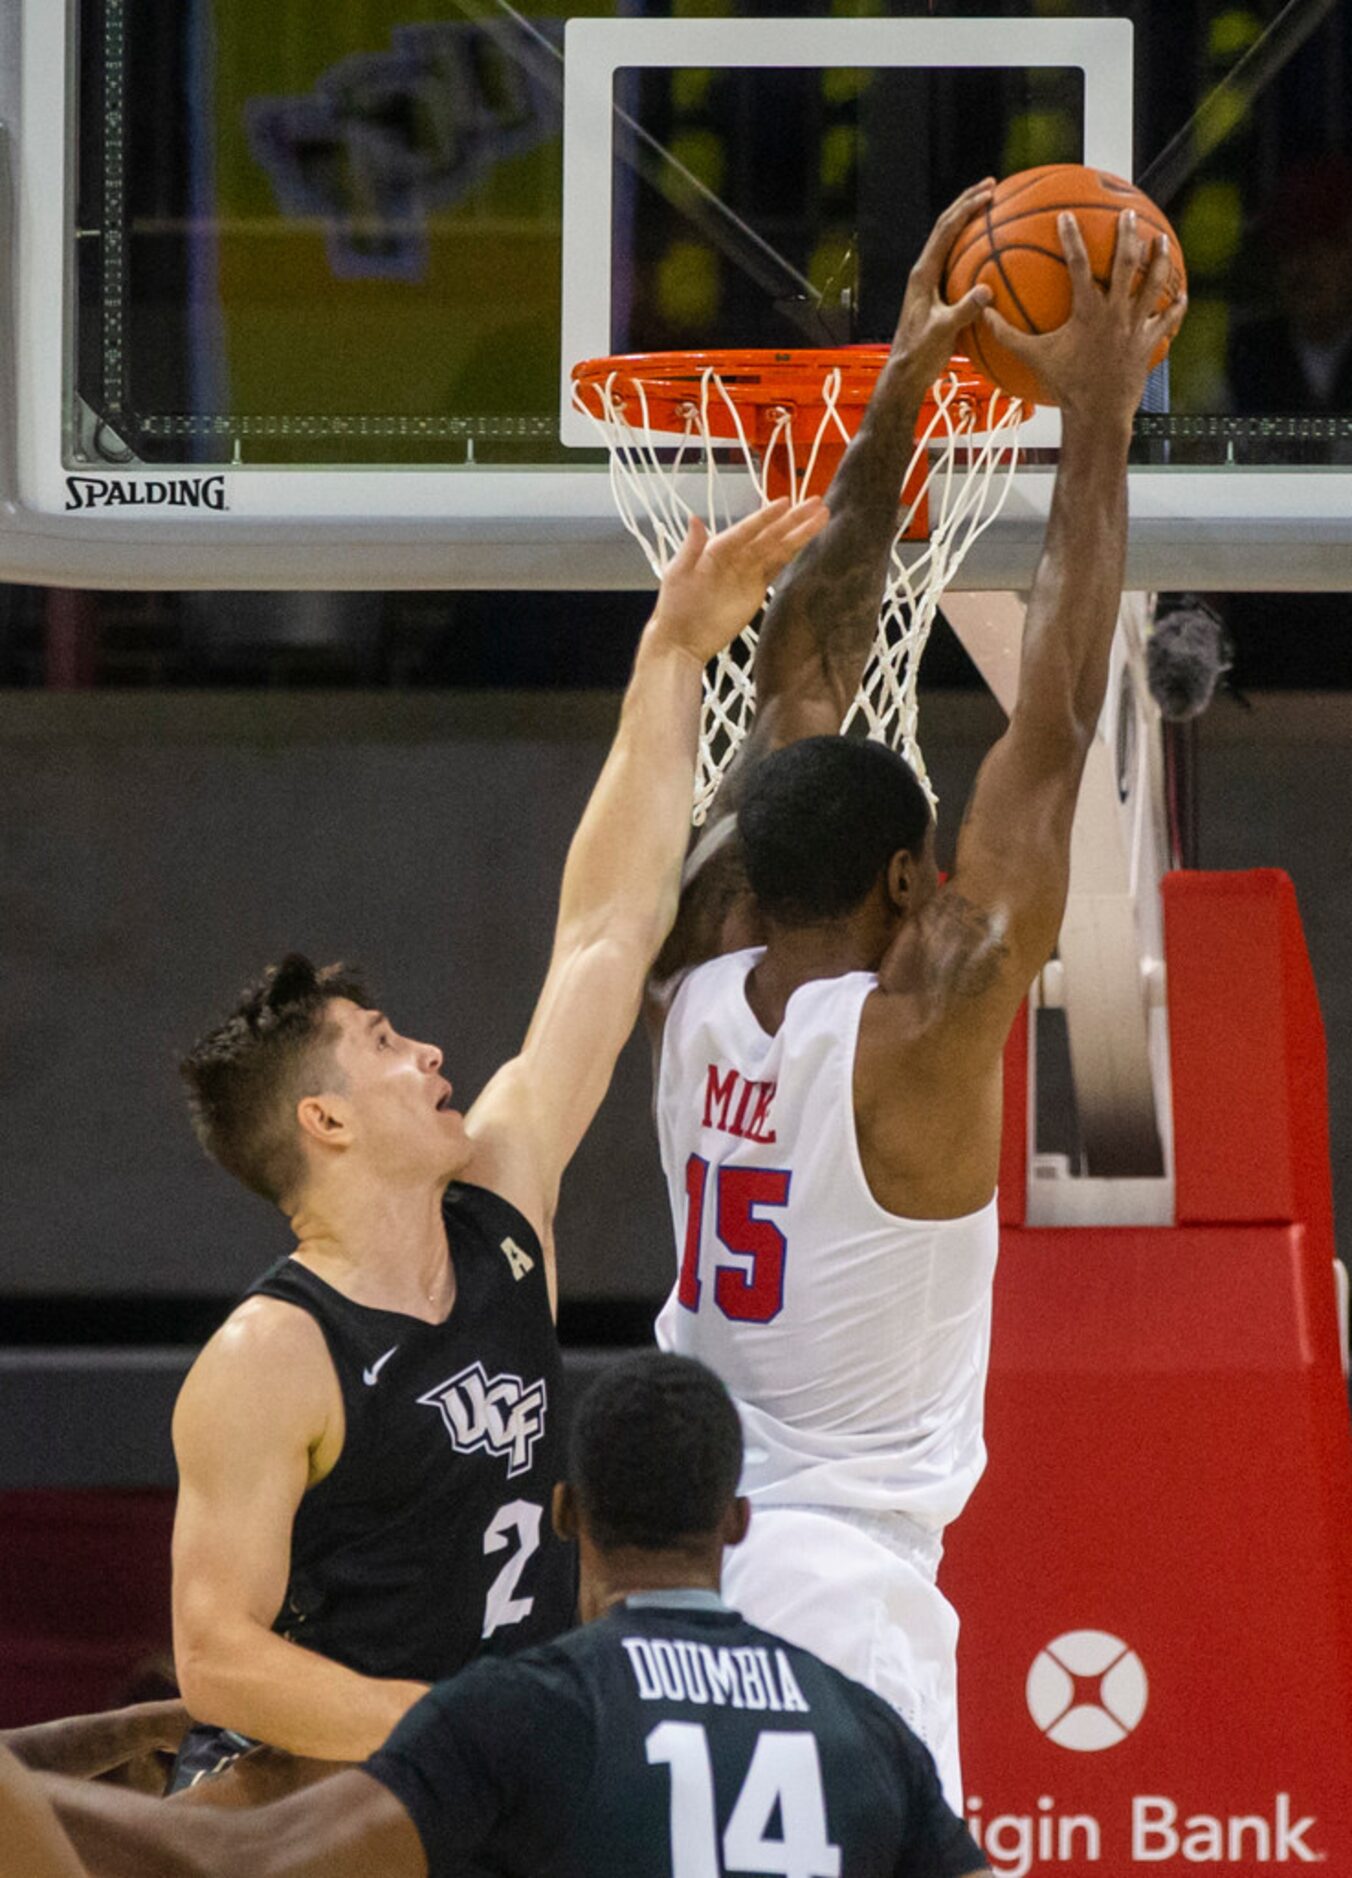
[748, 1292]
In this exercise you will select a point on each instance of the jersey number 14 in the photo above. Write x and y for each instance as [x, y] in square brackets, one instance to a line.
[751, 1291]
[784, 1781]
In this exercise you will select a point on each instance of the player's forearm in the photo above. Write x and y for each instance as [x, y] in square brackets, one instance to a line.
[825, 611]
[260, 1685]
[88, 1745]
[1077, 593]
[131, 1835]
[623, 872]
[31, 1841]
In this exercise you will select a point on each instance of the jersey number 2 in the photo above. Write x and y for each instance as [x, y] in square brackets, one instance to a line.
[501, 1606]
[785, 1776]
[749, 1296]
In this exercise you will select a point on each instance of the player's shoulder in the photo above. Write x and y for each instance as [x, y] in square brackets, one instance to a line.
[496, 1216]
[268, 1355]
[259, 1333]
[528, 1695]
[695, 998]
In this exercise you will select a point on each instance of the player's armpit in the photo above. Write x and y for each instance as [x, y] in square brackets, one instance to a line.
[1012, 869]
[527, 1124]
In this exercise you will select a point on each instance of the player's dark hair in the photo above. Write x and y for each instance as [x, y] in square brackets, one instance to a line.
[820, 821]
[655, 1453]
[247, 1074]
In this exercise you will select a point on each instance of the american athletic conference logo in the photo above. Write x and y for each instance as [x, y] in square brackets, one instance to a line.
[501, 1416]
[1087, 1691]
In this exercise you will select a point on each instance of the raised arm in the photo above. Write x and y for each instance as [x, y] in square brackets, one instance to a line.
[622, 877]
[254, 1421]
[819, 628]
[1013, 858]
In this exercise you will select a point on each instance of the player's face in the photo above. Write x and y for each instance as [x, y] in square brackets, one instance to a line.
[404, 1121]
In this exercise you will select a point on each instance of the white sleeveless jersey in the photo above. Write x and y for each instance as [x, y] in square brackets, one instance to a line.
[855, 1342]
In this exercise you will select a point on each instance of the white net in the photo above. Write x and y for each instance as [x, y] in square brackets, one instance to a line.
[964, 460]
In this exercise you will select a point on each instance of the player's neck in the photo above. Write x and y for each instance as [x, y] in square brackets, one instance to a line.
[379, 1244]
[795, 955]
[608, 1578]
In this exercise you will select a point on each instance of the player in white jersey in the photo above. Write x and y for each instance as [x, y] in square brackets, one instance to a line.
[833, 1018]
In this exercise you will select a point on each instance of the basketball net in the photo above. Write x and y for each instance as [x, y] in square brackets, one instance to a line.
[673, 432]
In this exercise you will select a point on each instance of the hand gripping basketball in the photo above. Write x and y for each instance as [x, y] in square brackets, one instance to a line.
[927, 326]
[1097, 361]
[715, 584]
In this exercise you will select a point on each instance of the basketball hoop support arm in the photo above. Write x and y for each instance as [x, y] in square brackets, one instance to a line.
[1108, 974]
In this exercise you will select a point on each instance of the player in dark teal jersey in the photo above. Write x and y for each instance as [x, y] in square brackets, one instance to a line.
[665, 1739]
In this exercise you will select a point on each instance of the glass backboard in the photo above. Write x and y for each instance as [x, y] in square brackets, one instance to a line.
[325, 267]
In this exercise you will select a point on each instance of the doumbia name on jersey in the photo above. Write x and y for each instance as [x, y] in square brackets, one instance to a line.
[714, 1675]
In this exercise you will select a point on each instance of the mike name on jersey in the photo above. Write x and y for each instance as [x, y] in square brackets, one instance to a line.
[737, 1106]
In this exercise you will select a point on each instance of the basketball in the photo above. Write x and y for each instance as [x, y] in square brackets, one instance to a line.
[1012, 246]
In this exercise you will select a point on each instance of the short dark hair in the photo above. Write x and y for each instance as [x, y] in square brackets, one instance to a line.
[246, 1075]
[819, 822]
[655, 1453]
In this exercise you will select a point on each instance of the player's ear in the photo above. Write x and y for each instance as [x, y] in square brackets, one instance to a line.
[899, 880]
[736, 1521]
[324, 1118]
[563, 1511]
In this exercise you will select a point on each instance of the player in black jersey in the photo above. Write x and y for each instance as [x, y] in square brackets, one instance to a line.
[667, 1739]
[367, 1446]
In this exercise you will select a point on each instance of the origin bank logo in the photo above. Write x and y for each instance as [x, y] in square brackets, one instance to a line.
[1087, 1691]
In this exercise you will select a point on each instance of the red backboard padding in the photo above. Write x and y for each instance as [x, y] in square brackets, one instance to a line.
[1247, 1043]
[1171, 1466]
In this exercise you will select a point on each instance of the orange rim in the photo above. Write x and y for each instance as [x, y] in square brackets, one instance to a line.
[669, 386]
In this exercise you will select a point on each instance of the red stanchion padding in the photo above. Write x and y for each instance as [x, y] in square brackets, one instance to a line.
[1155, 1576]
[1247, 1047]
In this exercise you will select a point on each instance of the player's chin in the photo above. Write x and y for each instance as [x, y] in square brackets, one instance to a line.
[453, 1146]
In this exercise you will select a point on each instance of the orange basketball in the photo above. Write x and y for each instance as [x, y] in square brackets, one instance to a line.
[1012, 246]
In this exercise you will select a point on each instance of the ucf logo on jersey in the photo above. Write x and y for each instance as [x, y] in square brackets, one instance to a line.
[501, 1416]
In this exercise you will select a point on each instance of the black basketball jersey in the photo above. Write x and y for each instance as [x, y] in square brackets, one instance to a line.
[431, 1539]
[671, 1739]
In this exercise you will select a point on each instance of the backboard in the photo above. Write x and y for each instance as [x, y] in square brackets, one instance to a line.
[293, 294]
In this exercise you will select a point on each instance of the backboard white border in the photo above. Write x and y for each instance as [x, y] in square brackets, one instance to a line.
[490, 527]
[595, 49]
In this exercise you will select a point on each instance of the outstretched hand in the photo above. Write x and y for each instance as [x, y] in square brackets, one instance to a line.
[1097, 362]
[716, 584]
[927, 327]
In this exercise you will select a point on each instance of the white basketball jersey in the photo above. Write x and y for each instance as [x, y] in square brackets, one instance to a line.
[855, 1342]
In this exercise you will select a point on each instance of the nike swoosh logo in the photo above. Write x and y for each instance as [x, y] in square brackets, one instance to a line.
[372, 1376]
